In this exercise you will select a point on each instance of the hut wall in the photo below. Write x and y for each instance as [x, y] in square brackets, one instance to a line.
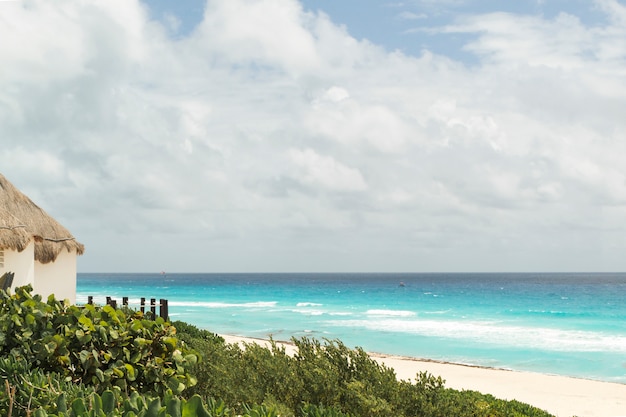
[58, 277]
[22, 263]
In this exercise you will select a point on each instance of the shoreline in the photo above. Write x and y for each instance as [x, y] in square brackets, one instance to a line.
[559, 395]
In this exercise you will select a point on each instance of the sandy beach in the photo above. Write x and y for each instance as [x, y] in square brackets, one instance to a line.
[561, 396]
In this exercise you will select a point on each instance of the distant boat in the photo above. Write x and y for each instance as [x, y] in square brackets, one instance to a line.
[401, 284]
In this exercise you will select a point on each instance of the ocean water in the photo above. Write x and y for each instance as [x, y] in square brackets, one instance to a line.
[565, 324]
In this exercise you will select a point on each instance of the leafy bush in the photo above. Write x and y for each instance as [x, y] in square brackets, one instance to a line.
[99, 346]
[328, 379]
[25, 389]
[30, 392]
[310, 410]
[115, 404]
[186, 331]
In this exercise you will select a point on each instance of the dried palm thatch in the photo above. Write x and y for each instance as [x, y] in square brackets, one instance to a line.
[22, 221]
[13, 234]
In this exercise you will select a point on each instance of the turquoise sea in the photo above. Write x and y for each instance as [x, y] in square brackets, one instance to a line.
[566, 324]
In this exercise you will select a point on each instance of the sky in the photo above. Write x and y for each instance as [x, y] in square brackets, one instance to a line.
[321, 135]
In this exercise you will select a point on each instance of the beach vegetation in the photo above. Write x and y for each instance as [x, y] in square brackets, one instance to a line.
[327, 378]
[62, 360]
[99, 346]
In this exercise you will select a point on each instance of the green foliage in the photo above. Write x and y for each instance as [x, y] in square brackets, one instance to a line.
[310, 410]
[217, 408]
[32, 393]
[117, 404]
[260, 411]
[99, 346]
[24, 389]
[186, 331]
[242, 376]
[344, 378]
[134, 406]
[330, 380]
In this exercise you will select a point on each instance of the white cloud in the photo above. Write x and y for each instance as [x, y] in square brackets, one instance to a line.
[326, 171]
[264, 32]
[406, 15]
[562, 43]
[336, 94]
[270, 130]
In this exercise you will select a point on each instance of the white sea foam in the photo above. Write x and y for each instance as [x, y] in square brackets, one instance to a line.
[209, 304]
[308, 312]
[437, 312]
[308, 305]
[493, 333]
[390, 313]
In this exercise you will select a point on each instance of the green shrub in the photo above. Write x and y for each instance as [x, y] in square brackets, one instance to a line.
[186, 331]
[136, 405]
[24, 389]
[99, 346]
[310, 410]
[329, 379]
[31, 392]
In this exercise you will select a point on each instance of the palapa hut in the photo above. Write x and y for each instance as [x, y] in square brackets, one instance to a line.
[36, 247]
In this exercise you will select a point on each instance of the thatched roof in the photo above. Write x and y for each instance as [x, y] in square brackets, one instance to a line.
[22, 221]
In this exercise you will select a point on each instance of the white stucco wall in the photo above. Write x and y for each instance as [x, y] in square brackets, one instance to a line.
[22, 263]
[58, 277]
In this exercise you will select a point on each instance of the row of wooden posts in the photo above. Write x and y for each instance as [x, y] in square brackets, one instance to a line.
[163, 305]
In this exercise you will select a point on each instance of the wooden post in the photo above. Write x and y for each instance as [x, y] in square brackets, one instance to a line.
[125, 301]
[153, 307]
[143, 304]
[90, 299]
[113, 304]
[108, 300]
[164, 313]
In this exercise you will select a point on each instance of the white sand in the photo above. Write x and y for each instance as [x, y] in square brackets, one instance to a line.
[561, 396]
